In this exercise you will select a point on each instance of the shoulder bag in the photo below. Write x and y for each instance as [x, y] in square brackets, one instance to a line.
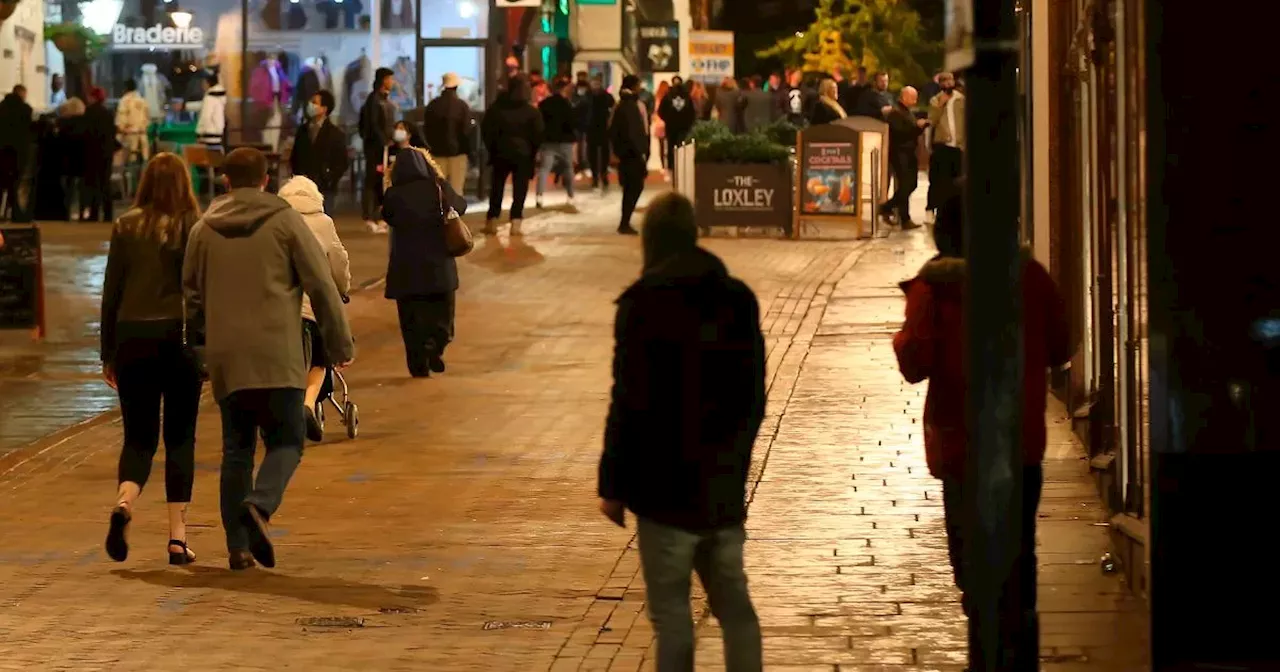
[457, 235]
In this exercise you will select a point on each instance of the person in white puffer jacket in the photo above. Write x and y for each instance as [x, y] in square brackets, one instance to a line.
[211, 126]
[304, 196]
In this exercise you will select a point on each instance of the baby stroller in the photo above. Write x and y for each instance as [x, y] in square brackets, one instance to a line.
[336, 393]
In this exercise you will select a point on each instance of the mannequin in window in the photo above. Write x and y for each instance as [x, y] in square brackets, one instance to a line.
[397, 14]
[154, 89]
[340, 14]
[314, 78]
[270, 90]
[355, 88]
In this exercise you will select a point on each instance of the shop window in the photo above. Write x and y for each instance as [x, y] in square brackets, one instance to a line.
[466, 62]
[455, 19]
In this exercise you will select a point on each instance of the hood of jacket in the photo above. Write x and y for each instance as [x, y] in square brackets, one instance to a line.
[693, 268]
[242, 212]
[302, 194]
[411, 166]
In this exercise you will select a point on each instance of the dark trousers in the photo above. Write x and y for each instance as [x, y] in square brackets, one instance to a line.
[520, 176]
[95, 194]
[598, 157]
[11, 164]
[426, 325]
[1020, 648]
[631, 173]
[906, 175]
[277, 414]
[664, 153]
[371, 199]
[945, 166]
[330, 200]
[151, 366]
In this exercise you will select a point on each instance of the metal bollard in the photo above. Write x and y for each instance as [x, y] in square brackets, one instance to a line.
[875, 191]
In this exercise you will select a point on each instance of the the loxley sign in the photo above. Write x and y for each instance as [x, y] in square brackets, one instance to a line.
[156, 37]
[756, 195]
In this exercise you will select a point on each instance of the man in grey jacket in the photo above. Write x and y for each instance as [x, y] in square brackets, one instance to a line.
[248, 262]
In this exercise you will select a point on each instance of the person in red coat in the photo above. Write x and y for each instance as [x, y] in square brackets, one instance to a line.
[931, 346]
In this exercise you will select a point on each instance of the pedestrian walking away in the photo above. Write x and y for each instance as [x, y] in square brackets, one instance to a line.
[629, 136]
[598, 156]
[557, 143]
[147, 347]
[904, 137]
[946, 116]
[448, 123]
[678, 116]
[320, 149]
[377, 119]
[512, 132]
[728, 105]
[16, 144]
[100, 145]
[422, 275]
[302, 194]
[683, 472]
[930, 346]
[248, 263]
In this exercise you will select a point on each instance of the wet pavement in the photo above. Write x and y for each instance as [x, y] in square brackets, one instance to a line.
[460, 531]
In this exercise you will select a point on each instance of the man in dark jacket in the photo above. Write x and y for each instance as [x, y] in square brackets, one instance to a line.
[447, 123]
[581, 100]
[512, 132]
[876, 101]
[17, 140]
[320, 149]
[629, 135]
[557, 143]
[678, 114]
[601, 110]
[794, 100]
[98, 126]
[248, 262]
[688, 400]
[377, 121]
[904, 136]
[758, 109]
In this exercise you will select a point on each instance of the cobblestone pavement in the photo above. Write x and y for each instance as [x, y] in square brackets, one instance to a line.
[459, 532]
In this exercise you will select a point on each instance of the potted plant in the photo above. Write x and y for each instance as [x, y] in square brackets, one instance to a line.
[743, 180]
[75, 41]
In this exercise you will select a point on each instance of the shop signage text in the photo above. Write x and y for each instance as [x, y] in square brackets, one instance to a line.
[659, 47]
[156, 37]
[742, 195]
[710, 55]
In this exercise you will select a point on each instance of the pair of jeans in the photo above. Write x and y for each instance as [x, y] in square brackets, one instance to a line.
[426, 326]
[668, 556]
[1019, 622]
[520, 174]
[277, 414]
[151, 365]
[598, 158]
[553, 154]
[631, 174]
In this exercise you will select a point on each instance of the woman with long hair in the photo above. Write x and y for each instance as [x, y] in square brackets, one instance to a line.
[828, 108]
[145, 353]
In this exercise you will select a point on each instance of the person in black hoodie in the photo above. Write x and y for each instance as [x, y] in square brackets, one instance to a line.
[677, 112]
[581, 100]
[557, 144]
[377, 118]
[447, 124]
[601, 107]
[17, 140]
[320, 149]
[629, 135]
[793, 100]
[685, 411]
[100, 145]
[512, 131]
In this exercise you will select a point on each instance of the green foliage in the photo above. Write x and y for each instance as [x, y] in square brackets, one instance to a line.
[87, 45]
[715, 143]
[875, 34]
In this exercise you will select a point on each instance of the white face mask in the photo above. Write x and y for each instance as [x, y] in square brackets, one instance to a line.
[400, 135]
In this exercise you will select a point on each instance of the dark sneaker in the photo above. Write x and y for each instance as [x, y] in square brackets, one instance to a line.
[117, 534]
[437, 364]
[314, 431]
[628, 230]
[255, 524]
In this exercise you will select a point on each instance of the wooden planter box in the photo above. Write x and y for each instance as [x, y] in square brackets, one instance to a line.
[743, 195]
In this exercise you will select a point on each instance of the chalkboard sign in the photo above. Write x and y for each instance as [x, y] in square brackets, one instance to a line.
[20, 278]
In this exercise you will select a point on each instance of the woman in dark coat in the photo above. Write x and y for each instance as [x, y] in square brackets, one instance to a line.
[422, 276]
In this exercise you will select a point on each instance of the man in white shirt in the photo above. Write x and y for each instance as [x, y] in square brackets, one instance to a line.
[946, 162]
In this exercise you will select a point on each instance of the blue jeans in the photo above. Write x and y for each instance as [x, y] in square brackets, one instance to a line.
[668, 556]
[277, 413]
[552, 153]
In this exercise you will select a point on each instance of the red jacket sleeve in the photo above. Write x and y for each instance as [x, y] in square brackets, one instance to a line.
[915, 342]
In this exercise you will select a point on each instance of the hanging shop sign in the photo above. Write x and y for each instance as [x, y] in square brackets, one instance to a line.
[156, 37]
[710, 55]
[659, 46]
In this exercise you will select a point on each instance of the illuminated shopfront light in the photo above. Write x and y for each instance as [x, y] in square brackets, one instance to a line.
[100, 16]
[181, 19]
[466, 9]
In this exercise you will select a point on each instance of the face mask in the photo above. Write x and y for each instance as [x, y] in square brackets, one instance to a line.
[400, 135]
[313, 111]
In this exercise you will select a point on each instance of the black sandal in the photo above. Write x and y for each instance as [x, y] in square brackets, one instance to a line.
[185, 557]
[117, 542]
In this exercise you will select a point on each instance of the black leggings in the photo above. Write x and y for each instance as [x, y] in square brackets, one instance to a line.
[150, 366]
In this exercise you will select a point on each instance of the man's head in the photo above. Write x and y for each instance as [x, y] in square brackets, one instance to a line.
[775, 81]
[670, 229]
[677, 80]
[321, 104]
[210, 81]
[597, 83]
[862, 75]
[563, 86]
[451, 80]
[385, 79]
[582, 76]
[21, 92]
[909, 96]
[631, 83]
[947, 81]
[882, 81]
[794, 78]
[97, 95]
[754, 82]
[56, 83]
[245, 168]
[130, 85]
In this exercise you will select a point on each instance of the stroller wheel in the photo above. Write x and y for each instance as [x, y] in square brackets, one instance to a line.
[353, 420]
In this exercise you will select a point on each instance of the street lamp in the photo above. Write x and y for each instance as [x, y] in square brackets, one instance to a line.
[181, 19]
